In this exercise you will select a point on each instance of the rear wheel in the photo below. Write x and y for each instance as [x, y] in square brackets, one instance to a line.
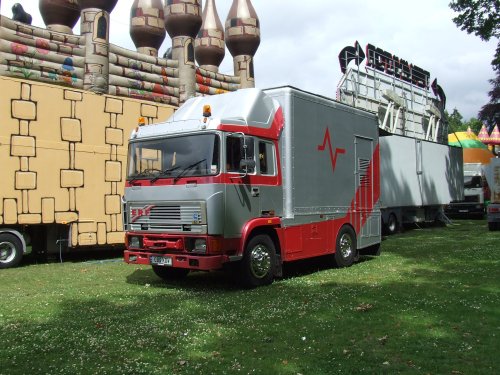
[259, 261]
[168, 273]
[11, 250]
[392, 225]
[345, 249]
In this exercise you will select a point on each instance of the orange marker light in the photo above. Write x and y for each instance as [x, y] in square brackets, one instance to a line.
[141, 121]
[207, 111]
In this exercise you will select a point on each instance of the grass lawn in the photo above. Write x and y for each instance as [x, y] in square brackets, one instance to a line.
[430, 304]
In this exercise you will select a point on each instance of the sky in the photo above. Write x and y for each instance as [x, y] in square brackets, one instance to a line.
[301, 40]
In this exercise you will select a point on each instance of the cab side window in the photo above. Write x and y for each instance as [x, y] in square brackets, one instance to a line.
[235, 152]
[266, 158]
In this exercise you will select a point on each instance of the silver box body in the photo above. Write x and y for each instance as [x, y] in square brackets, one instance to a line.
[317, 183]
[419, 173]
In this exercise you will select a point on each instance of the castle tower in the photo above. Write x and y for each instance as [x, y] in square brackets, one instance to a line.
[95, 27]
[182, 21]
[243, 39]
[147, 26]
[60, 15]
[209, 46]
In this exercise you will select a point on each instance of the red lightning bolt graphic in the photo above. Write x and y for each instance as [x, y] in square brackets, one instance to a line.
[333, 156]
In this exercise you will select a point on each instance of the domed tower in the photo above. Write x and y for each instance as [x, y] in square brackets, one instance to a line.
[243, 39]
[95, 27]
[182, 21]
[60, 15]
[209, 46]
[147, 26]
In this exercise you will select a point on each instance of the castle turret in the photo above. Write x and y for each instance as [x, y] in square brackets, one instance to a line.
[60, 15]
[147, 26]
[95, 27]
[243, 39]
[209, 46]
[182, 22]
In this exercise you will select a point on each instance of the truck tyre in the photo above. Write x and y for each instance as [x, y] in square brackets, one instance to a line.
[392, 225]
[259, 261]
[345, 249]
[169, 273]
[11, 250]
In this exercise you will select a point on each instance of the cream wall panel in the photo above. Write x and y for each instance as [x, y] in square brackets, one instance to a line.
[68, 157]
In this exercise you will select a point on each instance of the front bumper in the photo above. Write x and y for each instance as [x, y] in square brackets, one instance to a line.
[464, 209]
[193, 262]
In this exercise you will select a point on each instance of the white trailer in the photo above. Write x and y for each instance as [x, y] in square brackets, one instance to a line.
[417, 178]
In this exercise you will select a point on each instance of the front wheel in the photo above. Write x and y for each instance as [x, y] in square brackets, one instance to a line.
[345, 249]
[11, 250]
[169, 273]
[259, 261]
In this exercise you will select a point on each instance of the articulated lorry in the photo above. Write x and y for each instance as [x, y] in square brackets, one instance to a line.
[492, 172]
[250, 180]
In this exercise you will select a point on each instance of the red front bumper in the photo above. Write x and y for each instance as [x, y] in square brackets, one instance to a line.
[193, 262]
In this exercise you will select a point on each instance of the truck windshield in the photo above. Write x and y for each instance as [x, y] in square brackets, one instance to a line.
[471, 182]
[193, 155]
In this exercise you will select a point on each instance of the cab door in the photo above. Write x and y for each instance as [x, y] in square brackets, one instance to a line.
[242, 195]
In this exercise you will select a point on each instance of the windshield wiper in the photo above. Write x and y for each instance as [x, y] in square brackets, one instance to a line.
[163, 173]
[187, 169]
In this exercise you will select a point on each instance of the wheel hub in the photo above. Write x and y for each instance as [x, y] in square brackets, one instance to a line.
[345, 245]
[7, 252]
[260, 261]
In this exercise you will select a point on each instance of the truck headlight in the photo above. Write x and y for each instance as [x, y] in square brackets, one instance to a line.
[200, 245]
[134, 242]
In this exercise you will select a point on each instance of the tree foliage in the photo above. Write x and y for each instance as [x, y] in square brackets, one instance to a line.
[490, 113]
[482, 18]
[479, 17]
[456, 123]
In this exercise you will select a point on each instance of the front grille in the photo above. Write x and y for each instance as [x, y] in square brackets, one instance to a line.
[187, 217]
[472, 198]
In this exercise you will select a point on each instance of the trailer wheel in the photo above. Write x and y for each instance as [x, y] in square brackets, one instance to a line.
[345, 249]
[168, 273]
[259, 261]
[11, 250]
[391, 227]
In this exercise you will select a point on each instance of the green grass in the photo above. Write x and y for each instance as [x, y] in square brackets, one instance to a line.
[430, 304]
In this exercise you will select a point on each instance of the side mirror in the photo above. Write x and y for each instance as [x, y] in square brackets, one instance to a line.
[247, 165]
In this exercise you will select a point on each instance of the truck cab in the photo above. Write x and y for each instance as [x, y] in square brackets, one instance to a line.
[192, 185]
[476, 193]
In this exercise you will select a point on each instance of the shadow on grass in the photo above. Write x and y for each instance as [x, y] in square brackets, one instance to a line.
[228, 280]
[429, 304]
[204, 326]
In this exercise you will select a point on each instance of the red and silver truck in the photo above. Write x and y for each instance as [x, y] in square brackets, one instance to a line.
[253, 179]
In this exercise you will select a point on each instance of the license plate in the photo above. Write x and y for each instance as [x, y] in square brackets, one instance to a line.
[463, 211]
[160, 261]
